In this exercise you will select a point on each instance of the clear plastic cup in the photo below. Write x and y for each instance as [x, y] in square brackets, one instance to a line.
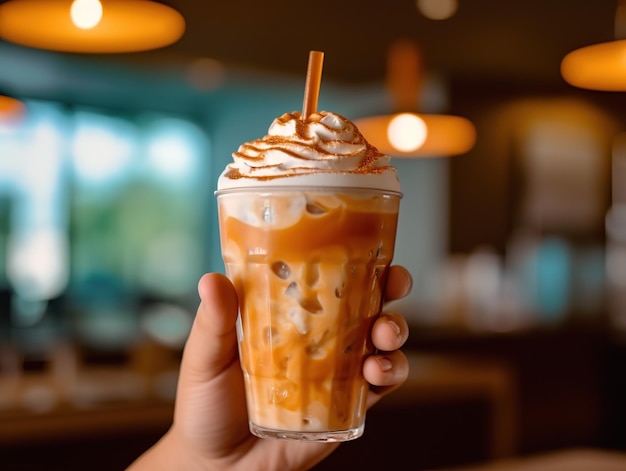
[309, 266]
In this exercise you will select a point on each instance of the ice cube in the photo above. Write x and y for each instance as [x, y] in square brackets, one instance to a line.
[311, 304]
[315, 352]
[315, 208]
[277, 395]
[260, 211]
[309, 422]
[271, 336]
[315, 416]
[299, 320]
[292, 290]
[308, 303]
[312, 273]
[268, 214]
[282, 211]
[281, 270]
[315, 349]
[284, 363]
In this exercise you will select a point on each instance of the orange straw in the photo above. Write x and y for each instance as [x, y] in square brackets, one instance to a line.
[312, 85]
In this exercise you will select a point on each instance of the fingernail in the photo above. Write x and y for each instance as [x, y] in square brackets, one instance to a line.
[385, 363]
[395, 327]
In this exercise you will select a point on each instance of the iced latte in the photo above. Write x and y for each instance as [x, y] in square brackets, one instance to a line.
[307, 221]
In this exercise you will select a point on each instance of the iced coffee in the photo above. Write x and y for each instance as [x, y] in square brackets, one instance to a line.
[308, 219]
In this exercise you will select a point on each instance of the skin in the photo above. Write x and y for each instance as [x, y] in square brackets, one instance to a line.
[210, 426]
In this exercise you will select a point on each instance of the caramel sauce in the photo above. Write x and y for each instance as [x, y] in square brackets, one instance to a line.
[309, 293]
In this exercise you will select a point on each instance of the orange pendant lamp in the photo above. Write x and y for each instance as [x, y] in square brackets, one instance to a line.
[600, 66]
[11, 109]
[407, 133]
[90, 26]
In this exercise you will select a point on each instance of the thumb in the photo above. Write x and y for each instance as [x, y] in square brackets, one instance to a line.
[212, 344]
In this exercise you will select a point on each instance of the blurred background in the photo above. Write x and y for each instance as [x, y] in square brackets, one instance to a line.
[517, 246]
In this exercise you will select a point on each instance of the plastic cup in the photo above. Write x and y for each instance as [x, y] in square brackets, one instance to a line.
[309, 266]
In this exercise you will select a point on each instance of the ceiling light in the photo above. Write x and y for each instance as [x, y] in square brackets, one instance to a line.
[11, 108]
[408, 133]
[599, 66]
[90, 26]
[86, 14]
[440, 135]
[437, 9]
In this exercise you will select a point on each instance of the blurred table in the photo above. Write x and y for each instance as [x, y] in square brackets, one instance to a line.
[69, 406]
[67, 400]
[436, 377]
[21, 427]
[565, 460]
[452, 410]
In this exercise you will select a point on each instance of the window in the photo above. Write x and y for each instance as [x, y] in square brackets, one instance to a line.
[102, 225]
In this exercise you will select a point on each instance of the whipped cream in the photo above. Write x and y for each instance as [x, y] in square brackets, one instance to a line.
[324, 150]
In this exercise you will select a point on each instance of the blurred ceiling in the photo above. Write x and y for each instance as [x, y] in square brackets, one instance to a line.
[514, 40]
[489, 41]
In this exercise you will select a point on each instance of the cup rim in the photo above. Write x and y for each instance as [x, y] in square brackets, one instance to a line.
[300, 189]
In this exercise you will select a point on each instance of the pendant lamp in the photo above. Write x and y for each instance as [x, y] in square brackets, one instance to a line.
[90, 26]
[408, 133]
[600, 66]
[11, 109]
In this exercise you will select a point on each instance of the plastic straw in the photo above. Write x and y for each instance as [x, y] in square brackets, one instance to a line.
[312, 85]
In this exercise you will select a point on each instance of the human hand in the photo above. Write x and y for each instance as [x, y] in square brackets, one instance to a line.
[210, 429]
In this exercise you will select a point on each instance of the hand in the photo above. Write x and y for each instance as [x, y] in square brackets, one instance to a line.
[210, 428]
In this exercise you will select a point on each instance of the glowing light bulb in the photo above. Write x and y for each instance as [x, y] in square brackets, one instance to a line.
[407, 132]
[437, 9]
[86, 14]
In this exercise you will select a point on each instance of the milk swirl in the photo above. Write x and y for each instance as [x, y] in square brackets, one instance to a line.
[326, 149]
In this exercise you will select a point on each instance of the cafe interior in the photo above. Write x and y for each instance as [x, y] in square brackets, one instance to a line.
[512, 161]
